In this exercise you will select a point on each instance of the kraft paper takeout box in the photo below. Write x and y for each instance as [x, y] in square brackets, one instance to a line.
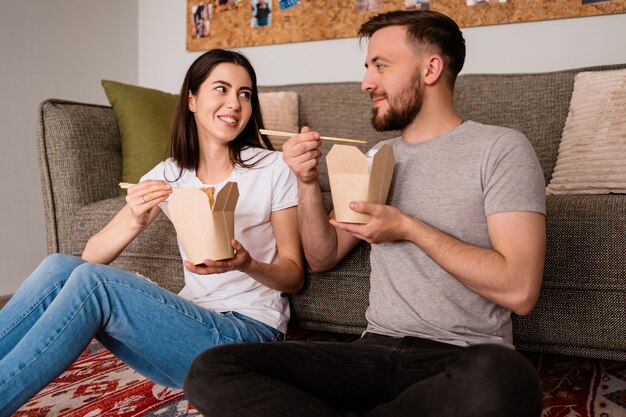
[354, 178]
[205, 232]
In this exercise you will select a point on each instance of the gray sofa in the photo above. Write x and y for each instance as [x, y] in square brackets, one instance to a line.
[582, 307]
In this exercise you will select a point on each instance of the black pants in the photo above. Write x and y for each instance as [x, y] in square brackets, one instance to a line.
[374, 376]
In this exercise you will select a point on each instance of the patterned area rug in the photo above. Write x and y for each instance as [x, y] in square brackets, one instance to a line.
[577, 387]
[98, 384]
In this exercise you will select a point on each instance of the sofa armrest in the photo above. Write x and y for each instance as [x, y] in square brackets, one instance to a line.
[79, 155]
[582, 305]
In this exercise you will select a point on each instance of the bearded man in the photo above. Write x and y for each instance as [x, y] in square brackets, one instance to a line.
[458, 247]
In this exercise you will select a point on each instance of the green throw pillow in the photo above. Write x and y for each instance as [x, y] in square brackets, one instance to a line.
[144, 116]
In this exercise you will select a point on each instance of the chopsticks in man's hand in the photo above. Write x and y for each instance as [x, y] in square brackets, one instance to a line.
[287, 134]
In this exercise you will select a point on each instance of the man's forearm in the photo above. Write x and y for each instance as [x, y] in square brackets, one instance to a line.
[509, 274]
[319, 238]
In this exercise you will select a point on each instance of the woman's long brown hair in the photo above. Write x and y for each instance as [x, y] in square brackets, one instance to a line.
[184, 142]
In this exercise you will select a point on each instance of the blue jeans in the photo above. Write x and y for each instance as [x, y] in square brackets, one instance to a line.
[66, 302]
[375, 376]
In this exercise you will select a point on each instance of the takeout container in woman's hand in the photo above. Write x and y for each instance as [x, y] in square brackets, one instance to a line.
[355, 177]
[204, 231]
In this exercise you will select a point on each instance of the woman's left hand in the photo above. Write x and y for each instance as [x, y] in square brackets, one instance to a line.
[240, 262]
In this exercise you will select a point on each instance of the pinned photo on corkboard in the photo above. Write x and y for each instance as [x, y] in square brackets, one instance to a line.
[202, 20]
[287, 4]
[368, 6]
[261, 13]
[477, 2]
[417, 4]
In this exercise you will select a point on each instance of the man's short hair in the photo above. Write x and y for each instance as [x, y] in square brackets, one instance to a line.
[428, 31]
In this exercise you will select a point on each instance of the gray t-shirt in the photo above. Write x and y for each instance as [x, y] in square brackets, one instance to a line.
[452, 183]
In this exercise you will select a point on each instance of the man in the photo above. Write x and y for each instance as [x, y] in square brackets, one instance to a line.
[459, 246]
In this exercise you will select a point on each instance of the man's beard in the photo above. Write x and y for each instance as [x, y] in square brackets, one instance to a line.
[402, 108]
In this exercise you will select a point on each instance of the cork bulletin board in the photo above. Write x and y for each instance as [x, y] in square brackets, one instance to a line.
[239, 23]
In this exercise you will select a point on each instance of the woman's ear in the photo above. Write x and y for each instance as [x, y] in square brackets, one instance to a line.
[191, 102]
[433, 69]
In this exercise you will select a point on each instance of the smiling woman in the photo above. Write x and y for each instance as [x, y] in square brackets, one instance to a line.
[214, 140]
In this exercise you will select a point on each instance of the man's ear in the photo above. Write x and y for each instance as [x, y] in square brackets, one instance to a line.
[433, 69]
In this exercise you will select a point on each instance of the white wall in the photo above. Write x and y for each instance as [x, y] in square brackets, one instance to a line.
[60, 49]
[521, 47]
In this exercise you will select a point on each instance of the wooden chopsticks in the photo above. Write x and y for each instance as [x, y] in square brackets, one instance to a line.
[287, 134]
[126, 185]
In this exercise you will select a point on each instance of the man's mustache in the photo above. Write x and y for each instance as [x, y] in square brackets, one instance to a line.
[377, 95]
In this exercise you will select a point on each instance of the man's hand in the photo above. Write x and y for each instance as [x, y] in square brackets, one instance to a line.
[240, 262]
[388, 224]
[301, 154]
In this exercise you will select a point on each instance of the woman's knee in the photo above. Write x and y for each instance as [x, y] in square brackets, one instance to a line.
[60, 261]
[88, 277]
[89, 272]
[54, 269]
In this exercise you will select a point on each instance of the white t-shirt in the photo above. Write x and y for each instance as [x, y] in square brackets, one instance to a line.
[268, 187]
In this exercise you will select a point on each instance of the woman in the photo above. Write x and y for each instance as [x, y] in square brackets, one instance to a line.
[67, 301]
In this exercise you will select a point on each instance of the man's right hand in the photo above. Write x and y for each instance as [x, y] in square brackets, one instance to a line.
[301, 154]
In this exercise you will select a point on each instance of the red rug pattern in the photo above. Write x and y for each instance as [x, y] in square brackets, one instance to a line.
[578, 387]
[98, 384]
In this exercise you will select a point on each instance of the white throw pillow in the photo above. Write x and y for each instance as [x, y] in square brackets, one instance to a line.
[592, 152]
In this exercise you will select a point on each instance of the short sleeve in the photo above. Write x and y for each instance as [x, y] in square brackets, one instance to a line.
[284, 185]
[161, 171]
[156, 173]
[512, 176]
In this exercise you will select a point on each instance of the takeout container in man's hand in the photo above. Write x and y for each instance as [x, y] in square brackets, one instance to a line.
[355, 177]
[205, 232]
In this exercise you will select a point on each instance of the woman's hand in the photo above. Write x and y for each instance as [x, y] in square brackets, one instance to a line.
[240, 262]
[286, 275]
[142, 197]
[141, 209]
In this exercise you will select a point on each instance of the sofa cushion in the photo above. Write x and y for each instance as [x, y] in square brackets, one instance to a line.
[345, 294]
[582, 297]
[143, 116]
[280, 113]
[593, 146]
